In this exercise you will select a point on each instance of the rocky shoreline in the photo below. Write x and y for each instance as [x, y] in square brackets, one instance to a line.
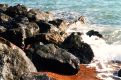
[33, 41]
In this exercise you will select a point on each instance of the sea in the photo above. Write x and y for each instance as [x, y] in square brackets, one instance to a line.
[103, 16]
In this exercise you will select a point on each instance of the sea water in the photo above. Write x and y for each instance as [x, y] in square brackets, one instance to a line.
[100, 15]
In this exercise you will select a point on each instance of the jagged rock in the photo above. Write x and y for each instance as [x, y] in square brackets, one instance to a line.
[94, 33]
[14, 11]
[18, 35]
[14, 64]
[46, 27]
[82, 50]
[3, 7]
[36, 15]
[62, 25]
[52, 58]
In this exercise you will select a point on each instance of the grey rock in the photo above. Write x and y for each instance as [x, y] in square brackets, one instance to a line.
[14, 64]
[52, 58]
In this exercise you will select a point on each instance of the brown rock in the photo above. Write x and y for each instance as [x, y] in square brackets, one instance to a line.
[62, 25]
[3, 7]
[4, 17]
[36, 14]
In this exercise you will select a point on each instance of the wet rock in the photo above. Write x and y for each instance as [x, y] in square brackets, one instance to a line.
[36, 15]
[62, 25]
[82, 50]
[14, 64]
[52, 58]
[94, 33]
[14, 11]
[3, 7]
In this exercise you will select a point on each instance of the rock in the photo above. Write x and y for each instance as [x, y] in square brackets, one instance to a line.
[39, 76]
[82, 50]
[46, 27]
[14, 11]
[20, 33]
[14, 64]
[22, 19]
[36, 15]
[81, 19]
[62, 25]
[4, 17]
[94, 33]
[52, 58]
[7, 21]
[119, 73]
[2, 29]
[46, 38]
[3, 7]
[77, 23]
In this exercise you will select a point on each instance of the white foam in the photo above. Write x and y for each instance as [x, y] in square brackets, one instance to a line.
[103, 52]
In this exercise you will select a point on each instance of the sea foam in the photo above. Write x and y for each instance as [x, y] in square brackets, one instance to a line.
[107, 60]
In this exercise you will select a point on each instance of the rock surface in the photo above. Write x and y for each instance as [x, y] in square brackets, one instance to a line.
[61, 24]
[36, 14]
[14, 64]
[20, 33]
[17, 10]
[80, 49]
[52, 58]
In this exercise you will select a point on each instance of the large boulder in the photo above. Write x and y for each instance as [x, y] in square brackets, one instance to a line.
[36, 15]
[18, 35]
[78, 48]
[14, 64]
[17, 10]
[50, 57]
[94, 33]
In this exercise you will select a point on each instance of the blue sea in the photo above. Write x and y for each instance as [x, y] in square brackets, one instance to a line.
[106, 12]
[101, 15]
